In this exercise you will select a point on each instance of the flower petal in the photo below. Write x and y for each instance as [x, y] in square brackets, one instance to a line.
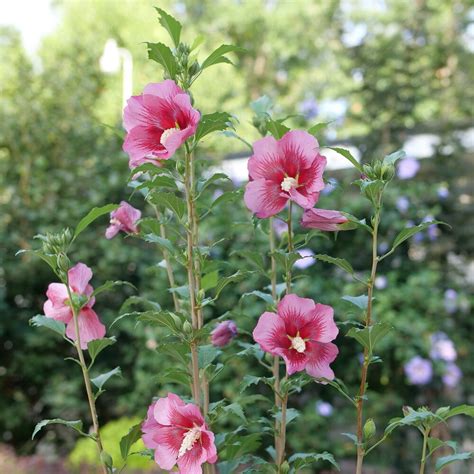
[292, 306]
[165, 409]
[111, 231]
[78, 278]
[192, 460]
[90, 327]
[266, 162]
[270, 333]
[300, 144]
[168, 440]
[322, 327]
[165, 90]
[57, 293]
[322, 219]
[59, 313]
[320, 355]
[143, 145]
[295, 361]
[264, 198]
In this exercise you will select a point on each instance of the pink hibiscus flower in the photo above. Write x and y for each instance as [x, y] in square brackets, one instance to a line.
[124, 218]
[58, 307]
[300, 332]
[158, 122]
[322, 219]
[179, 435]
[279, 170]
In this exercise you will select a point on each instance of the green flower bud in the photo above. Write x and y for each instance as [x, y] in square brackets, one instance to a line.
[187, 328]
[284, 468]
[369, 429]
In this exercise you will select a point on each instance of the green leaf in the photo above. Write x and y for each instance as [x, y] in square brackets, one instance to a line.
[315, 129]
[93, 214]
[227, 197]
[446, 460]
[393, 157]
[237, 276]
[371, 335]
[206, 355]
[260, 294]
[348, 155]
[101, 379]
[300, 460]
[214, 122]
[218, 55]
[340, 262]
[372, 188]
[434, 444]
[127, 441]
[172, 26]
[291, 414]
[160, 53]
[210, 280]
[96, 346]
[237, 410]
[352, 437]
[360, 301]
[75, 425]
[467, 410]
[166, 319]
[43, 321]
[355, 222]
[172, 375]
[249, 380]
[405, 234]
[169, 201]
[277, 129]
[161, 241]
[110, 284]
[202, 184]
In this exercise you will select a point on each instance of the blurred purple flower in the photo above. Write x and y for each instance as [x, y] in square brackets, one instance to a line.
[309, 108]
[306, 261]
[403, 204]
[279, 227]
[418, 371]
[452, 375]
[443, 192]
[331, 185]
[381, 282]
[450, 300]
[324, 408]
[408, 168]
[433, 231]
[442, 348]
[383, 247]
[223, 333]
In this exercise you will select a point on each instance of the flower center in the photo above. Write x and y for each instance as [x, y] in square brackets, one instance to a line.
[288, 183]
[166, 134]
[297, 343]
[193, 435]
[115, 221]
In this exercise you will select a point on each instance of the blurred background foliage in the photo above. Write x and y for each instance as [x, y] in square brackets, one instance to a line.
[380, 71]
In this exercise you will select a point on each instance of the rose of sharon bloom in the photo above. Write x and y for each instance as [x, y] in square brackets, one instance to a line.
[179, 435]
[452, 375]
[408, 168]
[223, 333]
[58, 306]
[300, 332]
[442, 348]
[322, 219]
[158, 122]
[280, 170]
[124, 218]
[419, 371]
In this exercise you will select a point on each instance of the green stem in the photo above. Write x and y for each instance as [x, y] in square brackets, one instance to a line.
[423, 454]
[166, 257]
[368, 320]
[87, 381]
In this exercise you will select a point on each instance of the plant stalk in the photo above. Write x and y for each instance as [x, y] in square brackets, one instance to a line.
[87, 382]
[368, 319]
[423, 454]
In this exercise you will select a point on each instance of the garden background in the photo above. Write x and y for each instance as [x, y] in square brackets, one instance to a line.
[387, 74]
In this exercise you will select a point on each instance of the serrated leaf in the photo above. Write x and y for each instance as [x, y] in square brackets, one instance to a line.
[43, 321]
[127, 441]
[75, 425]
[276, 128]
[177, 376]
[110, 284]
[348, 155]
[227, 197]
[340, 262]
[202, 184]
[237, 276]
[260, 294]
[434, 444]
[354, 221]
[172, 26]
[214, 122]
[467, 410]
[169, 201]
[96, 346]
[352, 437]
[371, 335]
[441, 463]
[218, 55]
[237, 410]
[393, 157]
[301, 460]
[161, 241]
[315, 129]
[160, 53]
[360, 301]
[92, 215]
[210, 280]
[291, 414]
[166, 319]
[207, 354]
[101, 379]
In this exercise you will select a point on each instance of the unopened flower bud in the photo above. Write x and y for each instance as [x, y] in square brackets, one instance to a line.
[194, 68]
[223, 333]
[369, 429]
[187, 328]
